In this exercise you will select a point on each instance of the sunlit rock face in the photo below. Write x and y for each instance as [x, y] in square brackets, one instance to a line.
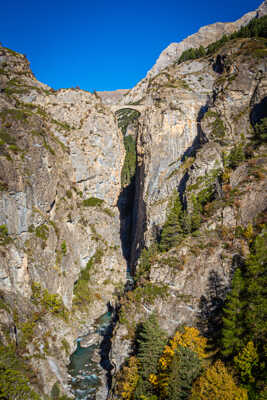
[205, 36]
[61, 156]
[197, 112]
[58, 151]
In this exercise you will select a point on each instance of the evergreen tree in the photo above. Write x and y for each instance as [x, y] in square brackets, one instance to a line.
[172, 231]
[233, 317]
[185, 368]
[256, 278]
[261, 131]
[201, 51]
[246, 361]
[151, 341]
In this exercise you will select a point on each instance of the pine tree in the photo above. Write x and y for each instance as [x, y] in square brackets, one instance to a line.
[233, 317]
[172, 231]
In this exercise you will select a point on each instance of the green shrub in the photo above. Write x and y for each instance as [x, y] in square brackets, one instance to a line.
[83, 294]
[64, 248]
[65, 345]
[14, 148]
[27, 330]
[50, 302]
[257, 27]
[42, 232]
[14, 383]
[218, 128]
[260, 134]
[191, 54]
[236, 156]
[55, 391]
[92, 202]
[148, 293]
[5, 137]
[4, 236]
[145, 261]
[13, 114]
[69, 194]
[109, 212]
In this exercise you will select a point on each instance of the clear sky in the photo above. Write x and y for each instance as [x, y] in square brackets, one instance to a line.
[108, 44]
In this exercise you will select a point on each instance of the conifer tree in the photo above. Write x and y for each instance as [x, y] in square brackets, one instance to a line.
[256, 277]
[172, 231]
[151, 341]
[185, 368]
[245, 361]
[233, 317]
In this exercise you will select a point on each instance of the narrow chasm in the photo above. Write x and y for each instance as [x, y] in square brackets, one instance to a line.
[128, 123]
[90, 363]
[91, 360]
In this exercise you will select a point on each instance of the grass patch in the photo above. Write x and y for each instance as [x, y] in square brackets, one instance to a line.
[6, 138]
[92, 202]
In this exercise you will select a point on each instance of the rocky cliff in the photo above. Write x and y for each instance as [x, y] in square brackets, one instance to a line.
[87, 182]
[61, 157]
[200, 114]
[204, 37]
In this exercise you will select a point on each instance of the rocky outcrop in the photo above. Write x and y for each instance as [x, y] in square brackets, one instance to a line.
[183, 118]
[197, 117]
[205, 36]
[112, 97]
[171, 54]
[262, 9]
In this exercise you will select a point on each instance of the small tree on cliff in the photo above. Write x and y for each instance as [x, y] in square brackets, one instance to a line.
[172, 231]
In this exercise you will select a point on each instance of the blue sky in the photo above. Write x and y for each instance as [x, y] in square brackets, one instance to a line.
[104, 45]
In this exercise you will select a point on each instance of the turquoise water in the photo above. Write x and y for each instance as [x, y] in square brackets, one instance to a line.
[83, 370]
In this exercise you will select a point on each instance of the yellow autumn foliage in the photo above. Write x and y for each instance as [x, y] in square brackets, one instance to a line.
[130, 378]
[190, 338]
[217, 384]
[246, 360]
[153, 379]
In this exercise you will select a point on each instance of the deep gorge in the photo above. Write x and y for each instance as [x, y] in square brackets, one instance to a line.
[128, 213]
